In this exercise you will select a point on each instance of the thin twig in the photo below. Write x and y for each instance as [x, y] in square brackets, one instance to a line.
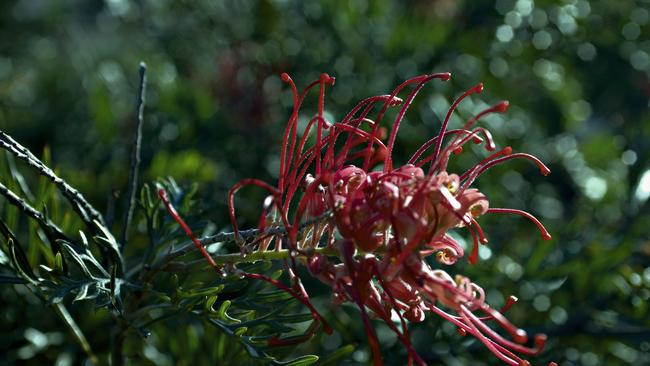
[79, 204]
[135, 155]
[30, 211]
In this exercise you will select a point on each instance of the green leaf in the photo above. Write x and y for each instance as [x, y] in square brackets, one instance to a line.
[145, 197]
[58, 263]
[107, 240]
[19, 178]
[338, 355]
[278, 327]
[77, 258]
[205, 292]
[240, 331]
[20, 262]
[84, 257]
[272, 296]
[82, 292]
[300, 361]
[208, 306]
[18, 257]
[260, 266]
[222, 313]
[234, 284]
[295, 318]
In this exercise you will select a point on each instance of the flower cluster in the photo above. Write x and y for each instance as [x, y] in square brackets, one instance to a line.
[373, 227]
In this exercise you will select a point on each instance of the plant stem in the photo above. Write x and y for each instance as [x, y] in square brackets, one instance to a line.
[30, 211]
[135, 155]
[267, 255]
[79, 204]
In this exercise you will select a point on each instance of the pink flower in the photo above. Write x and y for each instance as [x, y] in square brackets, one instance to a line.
[390, 218]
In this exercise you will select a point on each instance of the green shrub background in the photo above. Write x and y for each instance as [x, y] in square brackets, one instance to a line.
[576, 74]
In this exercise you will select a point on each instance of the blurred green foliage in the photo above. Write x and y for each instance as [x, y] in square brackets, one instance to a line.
[576, 74]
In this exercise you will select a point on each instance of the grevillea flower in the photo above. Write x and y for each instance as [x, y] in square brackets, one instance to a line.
[378, 223]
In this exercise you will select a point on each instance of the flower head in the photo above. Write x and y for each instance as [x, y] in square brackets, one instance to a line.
[383, 221]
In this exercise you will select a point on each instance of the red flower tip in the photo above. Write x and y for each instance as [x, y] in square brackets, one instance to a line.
[502, 107]
[326, 79]
[540, 341]
[507, 150]
[461, 331]
[476, 89]
[552, 364]
[285, 77]
[445, 76]
[521, 336]
[509, 302]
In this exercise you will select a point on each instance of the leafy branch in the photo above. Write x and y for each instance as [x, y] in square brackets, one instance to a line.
[82, 207]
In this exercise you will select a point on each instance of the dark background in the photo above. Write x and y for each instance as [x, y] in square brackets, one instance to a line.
[575, 73]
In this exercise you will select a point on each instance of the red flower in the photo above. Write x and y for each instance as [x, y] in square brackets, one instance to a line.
[390, 218]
